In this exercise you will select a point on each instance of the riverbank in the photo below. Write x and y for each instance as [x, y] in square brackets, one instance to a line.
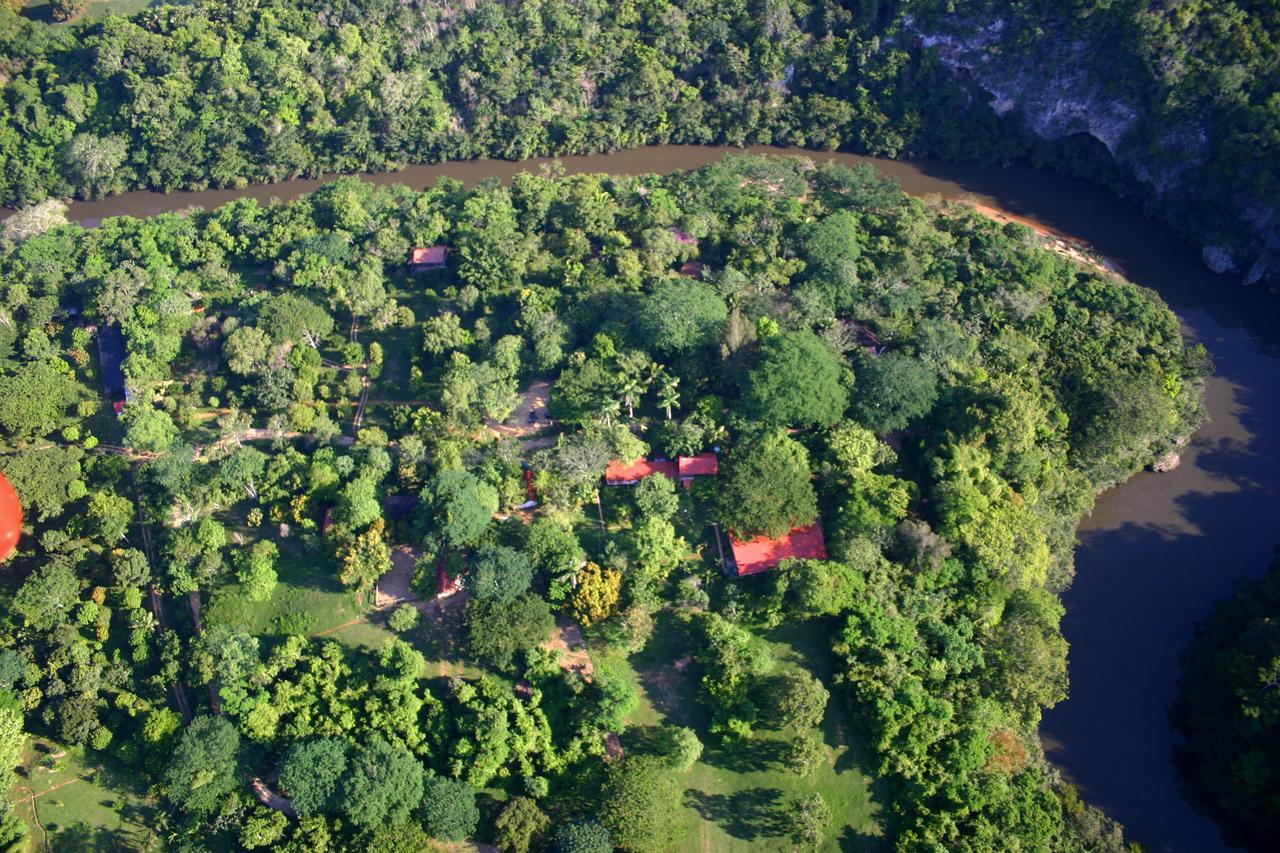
[1055, 241]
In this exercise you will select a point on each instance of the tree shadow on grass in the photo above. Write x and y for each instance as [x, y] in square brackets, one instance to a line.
[748, 756]
[82, 838]
[748, 814]
[852, 841]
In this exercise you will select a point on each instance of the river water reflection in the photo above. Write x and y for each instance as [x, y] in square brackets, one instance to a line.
[1156, 553]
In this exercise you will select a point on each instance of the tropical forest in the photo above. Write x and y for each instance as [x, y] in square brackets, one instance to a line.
[759, 460]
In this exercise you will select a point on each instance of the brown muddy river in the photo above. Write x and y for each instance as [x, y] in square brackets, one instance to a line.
[1157, 552]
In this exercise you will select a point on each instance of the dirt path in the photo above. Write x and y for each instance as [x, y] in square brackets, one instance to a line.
[32, 796]
[568, 640]
[270, 798]
[394, 586]
[533, 399]
[358, 420]
[35, 813]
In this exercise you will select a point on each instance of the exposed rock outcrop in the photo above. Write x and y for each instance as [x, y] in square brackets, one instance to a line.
[1050, 87]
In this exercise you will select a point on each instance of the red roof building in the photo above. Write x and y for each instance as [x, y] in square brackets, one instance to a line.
[446, 584]
[427, 257]
[629, 473]
[692, 269]
[761, 554]
[702, 465]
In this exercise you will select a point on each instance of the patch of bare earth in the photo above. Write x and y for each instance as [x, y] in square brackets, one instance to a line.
[533, 400]
[568, 640]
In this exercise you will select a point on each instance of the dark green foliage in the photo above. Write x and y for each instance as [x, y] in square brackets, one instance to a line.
[892, 390]
[552, 547]
[1229, 712]
[678, 317]
[204, 767]
[797, 381]
[796, 699]
[583, 837]
[1198, 78]
[34, 400]
[46, 597]
[383, 784]
[732, 661]
[641, 805]
[311, 772]
[457, 507]
[498, 573]
[821, 587]
[766, 487]
[449, 808]
[656, 496]
[520, 825]
[499, 630]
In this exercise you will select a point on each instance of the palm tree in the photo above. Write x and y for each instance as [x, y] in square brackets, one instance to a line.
[631, 386]
[668, 396]
[610, 409]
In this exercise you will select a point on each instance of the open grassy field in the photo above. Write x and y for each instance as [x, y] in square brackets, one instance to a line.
[80, 803]
[308, 598]
[736, 796]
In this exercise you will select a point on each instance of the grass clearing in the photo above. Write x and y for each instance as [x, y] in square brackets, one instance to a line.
[82, 802]
[736, 796]
[307, 599]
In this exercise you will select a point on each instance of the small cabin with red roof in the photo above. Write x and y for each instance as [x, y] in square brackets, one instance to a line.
[693, 269]
[865, 338]
[753, 556]
[620, 473]
[422, 258]
[702, 465]
[446, 584]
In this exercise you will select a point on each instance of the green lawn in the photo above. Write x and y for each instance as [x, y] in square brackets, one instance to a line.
[307, 599]
[97, 804]
[736, 797]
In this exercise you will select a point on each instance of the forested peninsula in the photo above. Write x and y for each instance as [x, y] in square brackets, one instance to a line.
[1174, 104]
[384, 515]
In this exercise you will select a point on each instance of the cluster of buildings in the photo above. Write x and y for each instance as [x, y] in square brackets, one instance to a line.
[744, 557]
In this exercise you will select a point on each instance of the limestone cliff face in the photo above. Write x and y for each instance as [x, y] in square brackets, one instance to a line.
[1050, 87]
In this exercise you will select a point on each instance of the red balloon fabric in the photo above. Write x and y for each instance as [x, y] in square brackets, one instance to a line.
[10, 518]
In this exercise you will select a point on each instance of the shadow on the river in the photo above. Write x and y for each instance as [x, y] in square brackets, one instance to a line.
[1141, 587]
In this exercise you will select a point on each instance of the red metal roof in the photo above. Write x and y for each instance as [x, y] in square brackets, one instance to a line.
[432, 256]
[761, 554]
[626, 473]
[446, 584]
[702, 465]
